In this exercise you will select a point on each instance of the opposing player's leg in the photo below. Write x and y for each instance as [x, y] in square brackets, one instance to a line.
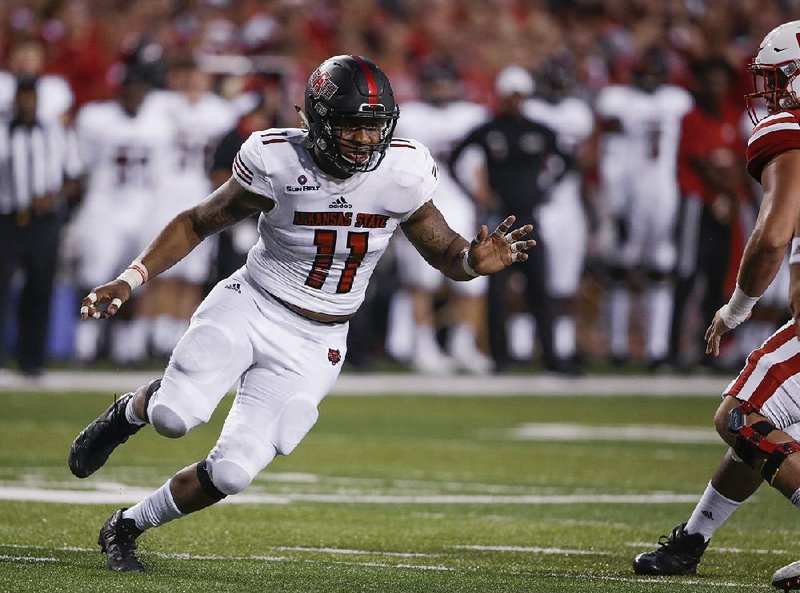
[732, 483]
[274, 408]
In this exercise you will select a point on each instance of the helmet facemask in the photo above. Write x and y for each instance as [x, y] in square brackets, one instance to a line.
[355, 143]
[774, 85]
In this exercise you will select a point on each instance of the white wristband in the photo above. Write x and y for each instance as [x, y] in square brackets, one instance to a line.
[794, 252]
[135, 274]
[737, 309]
[465, 264]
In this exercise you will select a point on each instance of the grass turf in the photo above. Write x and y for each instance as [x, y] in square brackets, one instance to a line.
[352, 517]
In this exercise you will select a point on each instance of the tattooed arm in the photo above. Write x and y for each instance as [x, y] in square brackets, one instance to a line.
[440, 245]
[229, 204]
[443, 248]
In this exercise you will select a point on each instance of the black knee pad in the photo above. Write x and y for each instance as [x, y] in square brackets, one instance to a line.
[205, 481]
[752, 445]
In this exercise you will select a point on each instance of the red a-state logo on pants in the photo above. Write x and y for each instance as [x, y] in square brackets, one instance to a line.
[334, 356]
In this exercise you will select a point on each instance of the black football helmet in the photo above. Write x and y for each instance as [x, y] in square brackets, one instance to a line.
[350, 92]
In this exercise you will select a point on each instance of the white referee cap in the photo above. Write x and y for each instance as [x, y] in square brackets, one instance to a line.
[514, 79]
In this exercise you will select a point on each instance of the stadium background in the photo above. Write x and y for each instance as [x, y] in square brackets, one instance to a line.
[270, 47]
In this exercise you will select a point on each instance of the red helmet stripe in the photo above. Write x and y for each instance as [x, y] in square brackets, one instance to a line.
[372, 87]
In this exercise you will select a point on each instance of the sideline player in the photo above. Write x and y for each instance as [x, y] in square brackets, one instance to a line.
[760, 414]
[641, 129]
[279, 324]
[440, 120]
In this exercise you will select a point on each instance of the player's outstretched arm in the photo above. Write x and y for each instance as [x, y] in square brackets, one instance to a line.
[778, 216]
[226, 206]
[450, 253]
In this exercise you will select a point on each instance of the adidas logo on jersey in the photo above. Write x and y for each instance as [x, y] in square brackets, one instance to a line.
[340, 202]
[234, 286]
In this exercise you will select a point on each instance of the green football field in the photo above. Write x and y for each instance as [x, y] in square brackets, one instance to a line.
[390, 494]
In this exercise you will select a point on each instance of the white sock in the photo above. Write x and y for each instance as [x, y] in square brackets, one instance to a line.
[426, 342]
[131, 416]
[564, 336]
[87, 337]
[796, 498]
[156, 509]
[461, 338]
[711, 512]
[658, 302]
[400, 330]
[519, 329]
[161, 336]
[129, 341]
[619, 314]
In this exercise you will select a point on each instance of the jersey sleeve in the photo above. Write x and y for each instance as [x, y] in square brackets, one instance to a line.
[426, 186]
[249, 170]
[772, 136]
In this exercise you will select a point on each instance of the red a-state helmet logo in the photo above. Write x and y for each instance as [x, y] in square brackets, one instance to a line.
[334, 356]
[321, 85]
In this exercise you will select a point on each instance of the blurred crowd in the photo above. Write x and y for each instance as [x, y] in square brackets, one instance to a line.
[621, 122]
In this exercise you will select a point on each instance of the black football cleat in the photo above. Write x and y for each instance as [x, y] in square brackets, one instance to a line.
[787, 577]
[679, 553]
[117, 540]
[93, 446]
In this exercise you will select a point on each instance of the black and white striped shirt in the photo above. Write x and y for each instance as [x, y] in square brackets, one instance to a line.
[34, 161]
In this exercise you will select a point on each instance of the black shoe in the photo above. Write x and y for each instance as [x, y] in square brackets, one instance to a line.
[117, 540]
[787, 577]
[93, 446]
[679, 553]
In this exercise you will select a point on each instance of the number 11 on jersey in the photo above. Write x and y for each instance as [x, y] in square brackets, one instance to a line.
[325, 241]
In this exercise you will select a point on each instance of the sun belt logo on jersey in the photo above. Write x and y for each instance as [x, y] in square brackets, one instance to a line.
[321, 85]
[334, 356]
[302, 185]
[340, 202]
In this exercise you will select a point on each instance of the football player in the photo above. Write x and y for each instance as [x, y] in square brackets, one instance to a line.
[279, 324]
[440, 120]
[563, 218]
[200, 118]
[759, 416]
[125, 143]
[640, 127]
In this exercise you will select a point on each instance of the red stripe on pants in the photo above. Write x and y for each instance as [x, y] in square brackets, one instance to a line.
[774, 378]
[771, 345]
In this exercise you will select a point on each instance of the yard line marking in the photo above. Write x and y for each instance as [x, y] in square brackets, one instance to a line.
[133, 495]
[534, 550]
[381, 384]
[4, 557]
[651, 433]
[347, 552]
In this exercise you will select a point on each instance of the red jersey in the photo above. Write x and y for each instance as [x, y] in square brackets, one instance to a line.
[773, 135]
[709, 137]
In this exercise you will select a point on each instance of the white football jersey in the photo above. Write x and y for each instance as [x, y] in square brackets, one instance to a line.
[53, 93]
[198, 127]
[126, 156]
[651, 124]
[319, 244]
[440, 128]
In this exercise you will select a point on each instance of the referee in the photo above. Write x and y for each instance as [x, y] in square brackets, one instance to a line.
[39, 167]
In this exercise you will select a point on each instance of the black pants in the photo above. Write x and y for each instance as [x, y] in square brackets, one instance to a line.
[704, 251]
[536, 297]
[33, 249]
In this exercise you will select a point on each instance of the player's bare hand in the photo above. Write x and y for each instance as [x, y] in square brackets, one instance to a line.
[104, 301]
[714, 333]
[490, 253]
